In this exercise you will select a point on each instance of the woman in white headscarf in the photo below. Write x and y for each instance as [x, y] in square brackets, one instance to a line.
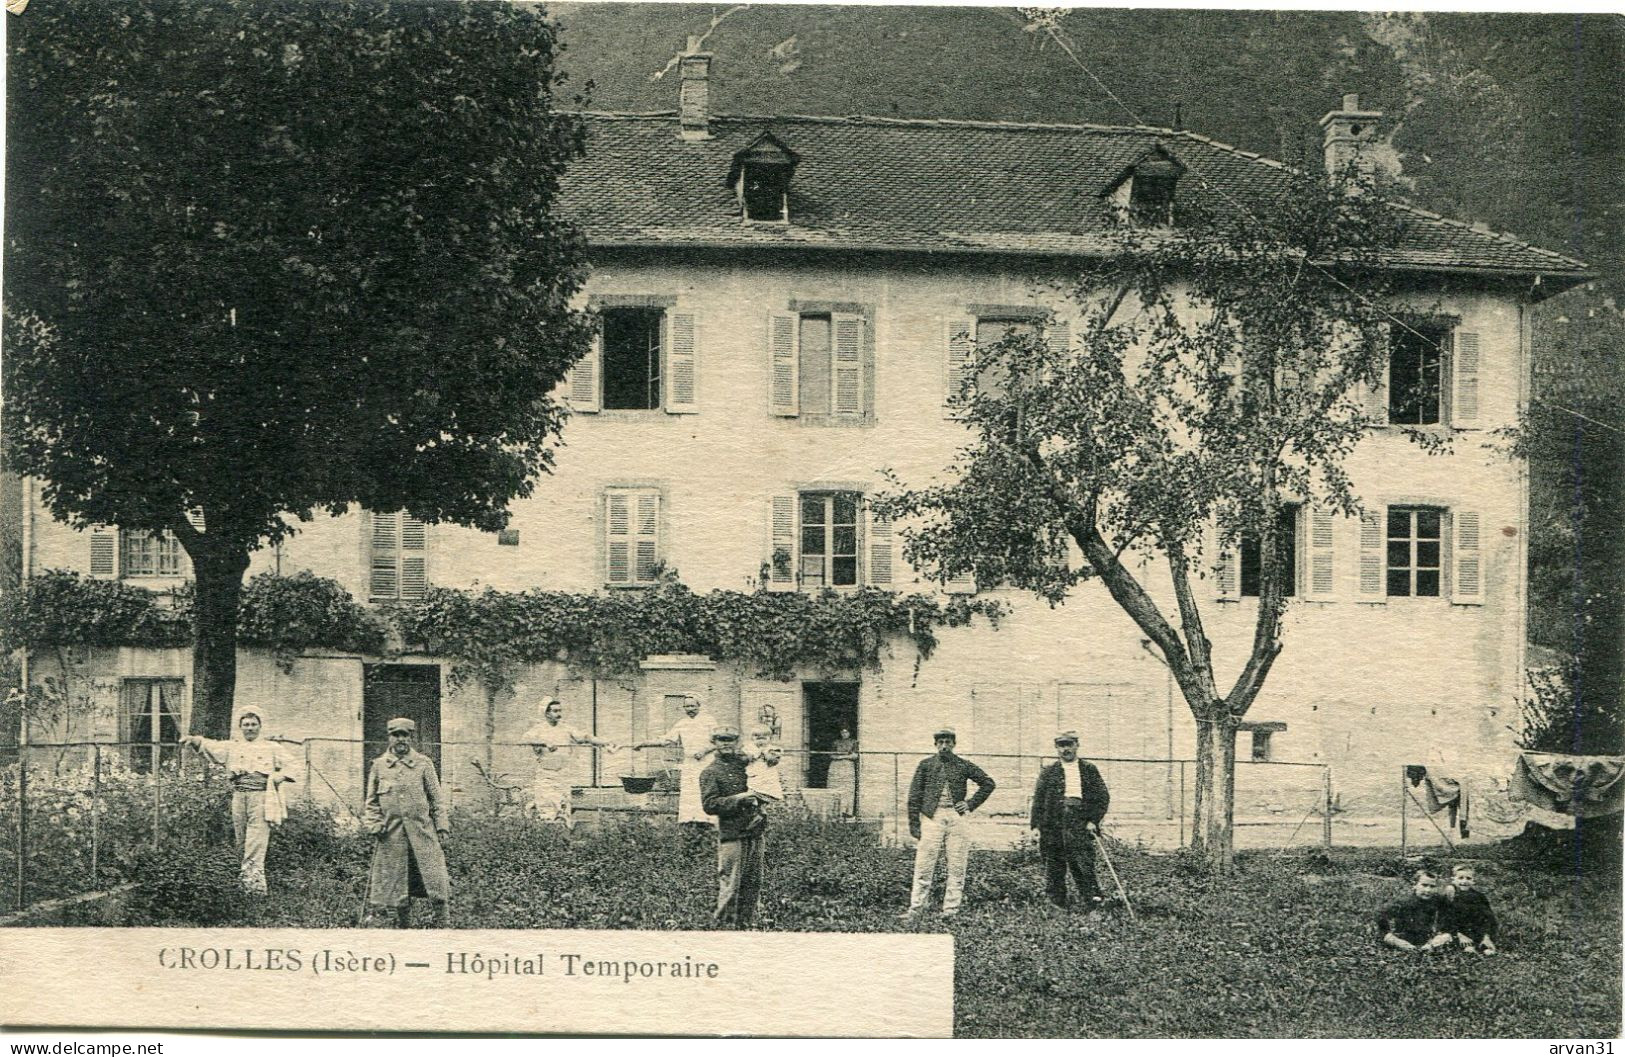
[255, 769]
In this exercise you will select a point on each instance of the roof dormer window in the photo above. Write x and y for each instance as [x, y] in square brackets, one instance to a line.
[1143, 194]
[760, 177]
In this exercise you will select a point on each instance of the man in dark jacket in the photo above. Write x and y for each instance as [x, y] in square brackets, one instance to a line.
[741, 830]
[1068, 804]
[937, 811]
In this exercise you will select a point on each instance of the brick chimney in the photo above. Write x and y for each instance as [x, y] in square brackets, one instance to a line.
[694, 94]
[1348, 132]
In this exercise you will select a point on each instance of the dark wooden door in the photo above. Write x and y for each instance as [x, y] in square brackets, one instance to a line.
[405, 691]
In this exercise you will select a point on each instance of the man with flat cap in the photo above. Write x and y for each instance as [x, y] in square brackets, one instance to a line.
[1068, 804]
[937, 818]
[406, 817]
[741, 830]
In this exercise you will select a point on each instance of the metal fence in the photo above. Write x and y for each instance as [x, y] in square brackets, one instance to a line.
[77, 805]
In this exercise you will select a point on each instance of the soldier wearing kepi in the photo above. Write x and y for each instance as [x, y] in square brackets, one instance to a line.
[1068, 804]
[937, 811]
[407, 818]
[741, 830]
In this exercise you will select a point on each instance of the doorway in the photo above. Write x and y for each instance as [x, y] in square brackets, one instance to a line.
[401, 691]
[829, 708]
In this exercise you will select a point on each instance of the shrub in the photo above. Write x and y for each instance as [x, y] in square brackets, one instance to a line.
[187, 882]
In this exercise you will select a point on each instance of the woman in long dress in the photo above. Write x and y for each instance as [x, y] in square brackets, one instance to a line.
[843, 771]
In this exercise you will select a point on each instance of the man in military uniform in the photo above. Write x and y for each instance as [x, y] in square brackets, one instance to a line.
[741, 830]
[407, 818]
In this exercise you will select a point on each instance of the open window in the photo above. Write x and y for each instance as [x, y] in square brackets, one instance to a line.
[760, 177]
[645, 357]
[827, 538]
[1143, 193]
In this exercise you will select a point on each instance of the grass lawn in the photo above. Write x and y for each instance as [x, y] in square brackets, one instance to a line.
[1285, 948]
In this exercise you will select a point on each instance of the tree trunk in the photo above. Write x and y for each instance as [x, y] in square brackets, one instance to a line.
[219, 578]
[1212, 834]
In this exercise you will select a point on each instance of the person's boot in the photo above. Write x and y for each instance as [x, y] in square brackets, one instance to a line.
[403, 916]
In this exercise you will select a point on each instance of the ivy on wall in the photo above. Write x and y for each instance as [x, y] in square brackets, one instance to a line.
[490, 635]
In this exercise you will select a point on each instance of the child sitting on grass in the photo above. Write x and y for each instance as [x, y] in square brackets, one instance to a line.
[1413, 924]
[1465, 912]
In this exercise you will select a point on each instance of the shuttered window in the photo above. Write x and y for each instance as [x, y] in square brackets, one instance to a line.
[631, 536]
[1433, 375]
[820, 540]
[644, 358]
[399, 546]
[1252, 569]
[818, 365]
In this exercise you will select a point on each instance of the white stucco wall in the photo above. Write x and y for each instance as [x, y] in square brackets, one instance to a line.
[1361, 686]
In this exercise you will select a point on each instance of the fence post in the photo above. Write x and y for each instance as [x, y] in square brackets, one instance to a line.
[1326, 820]
[310, 793]
[95, 815]
[1404, 817]
[896, 809]
[157, 799]
[1181, 803]
[22, 818]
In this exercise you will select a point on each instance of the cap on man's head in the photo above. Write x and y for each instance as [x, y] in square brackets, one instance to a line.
[399, 725]
[1067, 737]
[945, 732]
[725, 733]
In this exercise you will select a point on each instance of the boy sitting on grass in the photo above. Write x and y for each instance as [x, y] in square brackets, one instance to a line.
[1465, 912]
[1413, 924]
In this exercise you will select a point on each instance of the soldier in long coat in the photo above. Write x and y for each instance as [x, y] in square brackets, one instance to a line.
[407, 818]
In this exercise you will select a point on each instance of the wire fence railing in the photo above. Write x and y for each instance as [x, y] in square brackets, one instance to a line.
[79, 810]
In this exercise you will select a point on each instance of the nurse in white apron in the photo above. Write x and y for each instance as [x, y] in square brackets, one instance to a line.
[692, 735]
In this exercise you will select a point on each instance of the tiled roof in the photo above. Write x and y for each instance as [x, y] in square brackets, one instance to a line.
[869, 183]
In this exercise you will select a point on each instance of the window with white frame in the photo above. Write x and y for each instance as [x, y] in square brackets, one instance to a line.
[150, 553]
[827, 538]
[399, 557]
[1415, 552]
[631, 536]
[150, 722]
[819, 364]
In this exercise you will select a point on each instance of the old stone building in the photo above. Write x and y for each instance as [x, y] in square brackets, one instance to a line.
[785, 302]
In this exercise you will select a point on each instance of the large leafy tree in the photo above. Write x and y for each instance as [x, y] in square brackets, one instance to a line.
[265, 260]
[1219, 370]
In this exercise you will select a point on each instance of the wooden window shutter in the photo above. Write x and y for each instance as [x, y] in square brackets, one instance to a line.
[959, 343]
[781, 543]
[1376, 395]
[385, 578]
[1464, 357]
[1467, 560]
[617, 538]
[1227, 575]
[646, 553]
[1058, 336]
[784, 364]
[881, 550]
[104, 551]
[584, 377]
[682, 364]
[846, 379]
[195, 518]
[1322, 553]
[414, 557]
[1373, 558]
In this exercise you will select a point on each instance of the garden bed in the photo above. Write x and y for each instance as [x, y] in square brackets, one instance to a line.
[1285, 947]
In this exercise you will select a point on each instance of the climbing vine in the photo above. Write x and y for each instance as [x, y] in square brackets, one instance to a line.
[490, 635]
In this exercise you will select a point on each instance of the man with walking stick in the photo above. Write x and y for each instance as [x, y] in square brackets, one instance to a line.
[1068, 804]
